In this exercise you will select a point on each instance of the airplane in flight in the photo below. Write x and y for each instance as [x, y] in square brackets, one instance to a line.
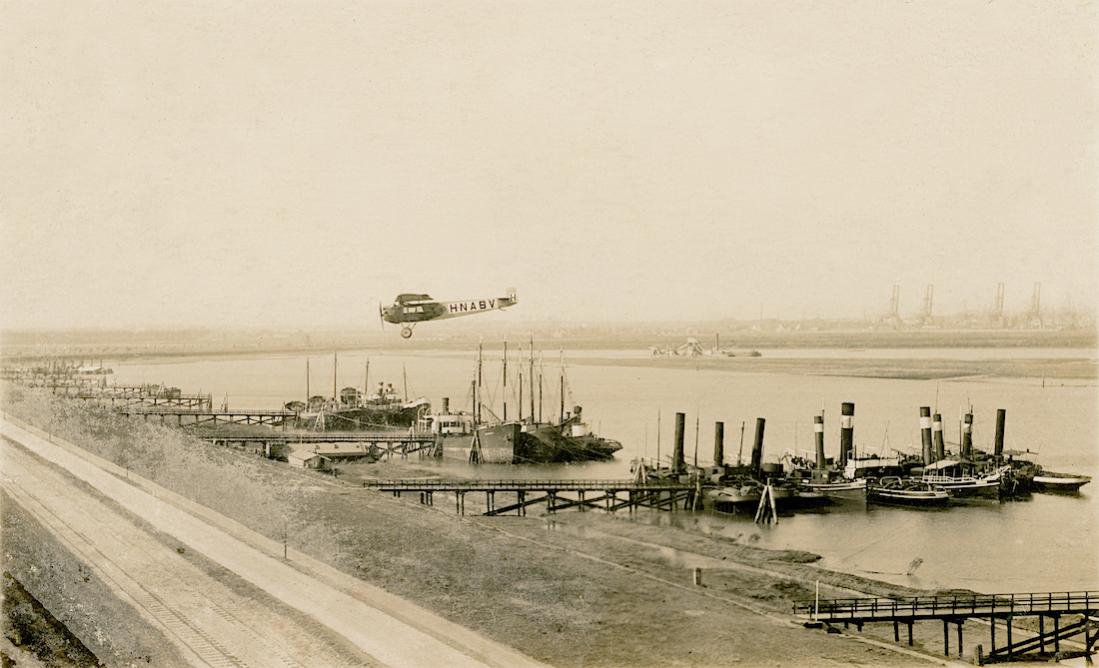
[408, 309]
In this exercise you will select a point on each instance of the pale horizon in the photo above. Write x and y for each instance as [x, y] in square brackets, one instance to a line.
[270, 165]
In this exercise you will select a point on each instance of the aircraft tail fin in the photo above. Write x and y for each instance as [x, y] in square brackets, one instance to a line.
[512, 296]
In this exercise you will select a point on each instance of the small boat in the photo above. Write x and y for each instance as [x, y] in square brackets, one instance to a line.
[1049, 481]
[961, 484]
[854, 490]
[745, 496]
[894, 491]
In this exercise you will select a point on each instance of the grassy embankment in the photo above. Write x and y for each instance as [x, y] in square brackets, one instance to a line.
[565, 598]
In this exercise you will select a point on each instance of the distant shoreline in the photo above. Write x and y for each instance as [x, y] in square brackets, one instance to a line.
[896, 369]
[15, 346]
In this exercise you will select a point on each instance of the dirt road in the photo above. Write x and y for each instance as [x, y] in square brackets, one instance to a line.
[219, 626]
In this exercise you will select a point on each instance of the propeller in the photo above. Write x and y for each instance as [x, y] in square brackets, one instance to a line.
[381, 316]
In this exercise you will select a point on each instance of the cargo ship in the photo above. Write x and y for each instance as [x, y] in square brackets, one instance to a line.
[352, 411]
[481, 437]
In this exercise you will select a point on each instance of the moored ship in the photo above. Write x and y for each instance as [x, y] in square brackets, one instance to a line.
[352, 411]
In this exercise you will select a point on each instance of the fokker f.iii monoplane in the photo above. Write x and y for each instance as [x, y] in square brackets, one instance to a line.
[409, 309]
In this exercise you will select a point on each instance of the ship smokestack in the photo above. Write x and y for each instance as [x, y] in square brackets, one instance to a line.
[847, 431]
[967, 435]
[679, 464]
[818, 429]
[1001, 418]
[937, 435]
[446, 405]
[925, 432]
[719, 444]
[757, 447]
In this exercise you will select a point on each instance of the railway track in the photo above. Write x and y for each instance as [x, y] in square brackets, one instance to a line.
[210, 623]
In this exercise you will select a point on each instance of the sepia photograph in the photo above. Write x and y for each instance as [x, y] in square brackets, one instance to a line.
[583, 334]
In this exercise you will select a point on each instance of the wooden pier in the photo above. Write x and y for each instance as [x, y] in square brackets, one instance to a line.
[1079, 607]
[194, 417]
[377, 444]
[555, 494]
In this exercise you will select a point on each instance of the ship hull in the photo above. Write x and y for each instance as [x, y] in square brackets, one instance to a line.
[359, 419]
[489, 445]
[1059, 484]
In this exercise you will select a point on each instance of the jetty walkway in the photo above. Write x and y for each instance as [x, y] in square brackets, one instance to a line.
[1081, 608]
[606, 494]
[197, 416]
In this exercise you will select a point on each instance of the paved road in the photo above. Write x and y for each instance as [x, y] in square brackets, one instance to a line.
[385, 638]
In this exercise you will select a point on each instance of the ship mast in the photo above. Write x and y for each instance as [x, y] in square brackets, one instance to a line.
[477, 387]
[532, 378]
[334, 396]
[307, 381]
[658, 438]
[505, 381]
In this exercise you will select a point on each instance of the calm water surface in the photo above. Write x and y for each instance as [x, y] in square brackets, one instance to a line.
[1045, 543]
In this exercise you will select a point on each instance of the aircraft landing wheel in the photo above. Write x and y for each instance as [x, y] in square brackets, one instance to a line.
[406, 332]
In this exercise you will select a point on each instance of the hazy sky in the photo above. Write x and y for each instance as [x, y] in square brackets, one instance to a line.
[293, 163]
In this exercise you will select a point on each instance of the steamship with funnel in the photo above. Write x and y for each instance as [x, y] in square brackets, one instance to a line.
[480, 437]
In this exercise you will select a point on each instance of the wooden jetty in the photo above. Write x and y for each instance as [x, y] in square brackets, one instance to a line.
[1080, 607]
[198, 416]
[558, 494]
[123, 400]
[376, 444]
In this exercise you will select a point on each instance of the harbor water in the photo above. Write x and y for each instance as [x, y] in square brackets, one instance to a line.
[982, 545]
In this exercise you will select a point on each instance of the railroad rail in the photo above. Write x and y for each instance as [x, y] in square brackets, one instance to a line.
[1081, 607]
[660, 495]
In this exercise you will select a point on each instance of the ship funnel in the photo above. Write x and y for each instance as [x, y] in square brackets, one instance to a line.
[925, 433]
[679, 463]
[937, 436]
[847, 431]
[818, 433]
[446, 405]
[719, 444]
[1001, 418]
[757, 447]
[967, 435]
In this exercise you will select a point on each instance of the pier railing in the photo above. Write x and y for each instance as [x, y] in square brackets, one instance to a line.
[963, 605]
[436, 485]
